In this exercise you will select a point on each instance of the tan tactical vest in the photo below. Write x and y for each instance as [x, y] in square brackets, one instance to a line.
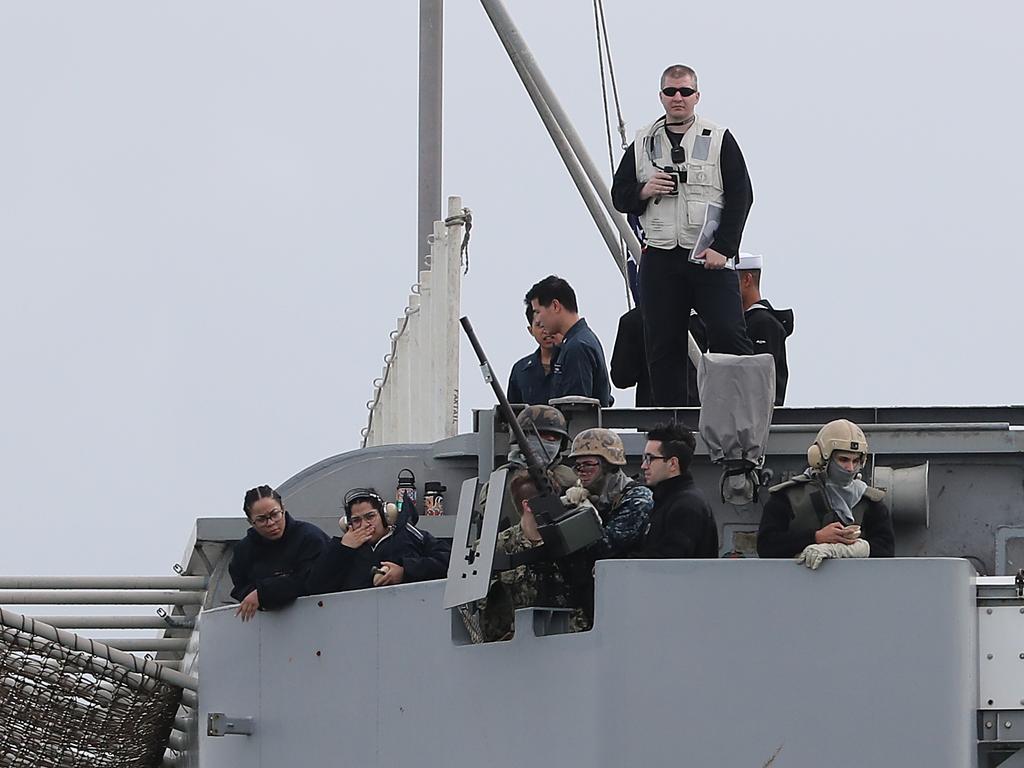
[676, 220]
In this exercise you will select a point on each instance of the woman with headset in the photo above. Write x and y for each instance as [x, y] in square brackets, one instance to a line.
[376, 549]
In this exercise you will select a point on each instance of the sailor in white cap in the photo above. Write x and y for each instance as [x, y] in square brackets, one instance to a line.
[767, 327]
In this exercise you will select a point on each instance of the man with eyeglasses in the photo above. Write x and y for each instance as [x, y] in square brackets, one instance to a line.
[269, 566]
[682, 523]
[686, 179]
[377, 549]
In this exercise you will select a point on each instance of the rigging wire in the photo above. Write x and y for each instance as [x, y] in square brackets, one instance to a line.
[604, 52]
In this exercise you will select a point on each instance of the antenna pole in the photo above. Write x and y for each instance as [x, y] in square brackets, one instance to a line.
[430, 105]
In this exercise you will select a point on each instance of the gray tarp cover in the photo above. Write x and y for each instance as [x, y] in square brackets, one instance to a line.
[737, 396]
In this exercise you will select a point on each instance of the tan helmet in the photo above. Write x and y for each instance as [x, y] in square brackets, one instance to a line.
[599, 442]
[838, 435]
[543, 418]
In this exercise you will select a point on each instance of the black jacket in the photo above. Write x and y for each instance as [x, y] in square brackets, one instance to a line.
[277, 570]
[682, 523]
[768, 329]
[629, 360]
[528, 383]
[342, 568]
[775, 537]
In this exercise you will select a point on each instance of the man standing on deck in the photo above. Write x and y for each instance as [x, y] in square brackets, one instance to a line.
[530, 380]
[767, 327]
[580, 368]
[686, 179]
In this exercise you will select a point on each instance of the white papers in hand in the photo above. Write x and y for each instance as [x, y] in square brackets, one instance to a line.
[712, 218]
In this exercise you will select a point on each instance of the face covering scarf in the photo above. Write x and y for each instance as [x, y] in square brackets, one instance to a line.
[843, 491]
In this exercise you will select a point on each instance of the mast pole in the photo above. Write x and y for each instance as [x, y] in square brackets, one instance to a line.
[430, 106]
[544, 100]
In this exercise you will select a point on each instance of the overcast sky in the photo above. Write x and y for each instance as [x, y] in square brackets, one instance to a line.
[208, 214]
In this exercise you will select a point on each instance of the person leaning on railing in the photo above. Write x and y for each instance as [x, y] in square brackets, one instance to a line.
[827, 511]
[269, 566]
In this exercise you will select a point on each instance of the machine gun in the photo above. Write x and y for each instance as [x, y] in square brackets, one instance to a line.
[564, 530]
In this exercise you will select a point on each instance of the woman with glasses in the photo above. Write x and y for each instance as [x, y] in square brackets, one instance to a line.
[270, 565]
[376, 549]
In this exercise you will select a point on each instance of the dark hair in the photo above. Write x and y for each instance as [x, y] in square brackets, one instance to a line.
[676, 440]
[357, 495]
[550, 288]
[529, 314]
[679, 70]
[260, 492]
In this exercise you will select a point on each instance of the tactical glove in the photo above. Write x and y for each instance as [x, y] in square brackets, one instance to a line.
[814, 554]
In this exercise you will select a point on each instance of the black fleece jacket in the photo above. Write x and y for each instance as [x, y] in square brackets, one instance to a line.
[342, 568]
[682, 523]
[277, 570]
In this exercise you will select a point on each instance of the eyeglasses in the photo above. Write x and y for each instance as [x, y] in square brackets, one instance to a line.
[358, 520]
[270, 517]
[670, 91]
[648, 458]
[582, 465]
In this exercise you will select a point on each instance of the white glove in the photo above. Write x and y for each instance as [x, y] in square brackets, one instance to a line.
[575, 496]
[814, 554]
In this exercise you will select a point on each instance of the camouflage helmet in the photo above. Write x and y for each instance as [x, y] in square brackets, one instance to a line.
[599, 442]
[543, 418]
[838, 435]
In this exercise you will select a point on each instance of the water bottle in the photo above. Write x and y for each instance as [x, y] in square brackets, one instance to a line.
[406, 488]
[433, 499]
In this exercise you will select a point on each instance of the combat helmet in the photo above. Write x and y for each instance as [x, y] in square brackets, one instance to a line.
[838, 435]
[543, 418]
[599, 442]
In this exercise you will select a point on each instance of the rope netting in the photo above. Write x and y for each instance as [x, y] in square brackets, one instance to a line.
[65, 708]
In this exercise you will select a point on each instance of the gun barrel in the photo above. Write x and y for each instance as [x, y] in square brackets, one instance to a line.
[533, 463]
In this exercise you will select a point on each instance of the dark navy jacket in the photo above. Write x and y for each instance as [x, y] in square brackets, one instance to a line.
[580, 368]
[629, 360]
[681, 523]
[342, 568]
[528, 383]
[277, 570]
[768, 329]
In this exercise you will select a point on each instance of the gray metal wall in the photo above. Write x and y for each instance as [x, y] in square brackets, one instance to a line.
[706, 663]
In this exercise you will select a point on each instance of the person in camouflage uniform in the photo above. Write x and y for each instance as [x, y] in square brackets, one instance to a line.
[548, 436]
[536, 584]
[623, 504]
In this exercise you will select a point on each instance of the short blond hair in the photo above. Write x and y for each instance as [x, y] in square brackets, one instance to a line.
[679, 70]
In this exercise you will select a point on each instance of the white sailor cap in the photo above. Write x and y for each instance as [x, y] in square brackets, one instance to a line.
[750, 261]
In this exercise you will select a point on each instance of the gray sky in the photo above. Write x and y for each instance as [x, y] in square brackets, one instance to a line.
[207, 224]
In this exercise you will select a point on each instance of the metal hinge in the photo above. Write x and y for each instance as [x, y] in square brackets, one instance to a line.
[1018, 582]
[219, 724]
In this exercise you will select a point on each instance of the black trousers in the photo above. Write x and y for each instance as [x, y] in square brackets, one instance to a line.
[669, 287]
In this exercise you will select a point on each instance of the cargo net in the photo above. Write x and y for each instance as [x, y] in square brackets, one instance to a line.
[64, 708]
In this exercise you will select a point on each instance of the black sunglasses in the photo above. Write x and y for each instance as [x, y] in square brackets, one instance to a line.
[670, 91]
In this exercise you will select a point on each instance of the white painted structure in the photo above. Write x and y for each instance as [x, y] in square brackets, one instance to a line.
[416, 399]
